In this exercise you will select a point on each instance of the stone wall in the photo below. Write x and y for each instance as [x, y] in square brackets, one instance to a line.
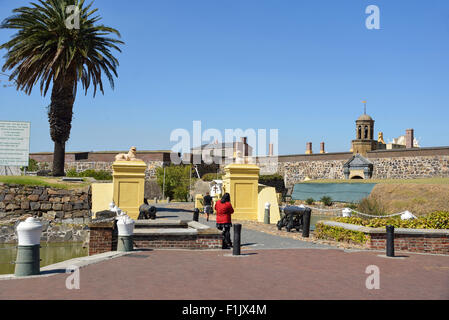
[51, 232]
[295, 172]
[410, 167]
[59, 205]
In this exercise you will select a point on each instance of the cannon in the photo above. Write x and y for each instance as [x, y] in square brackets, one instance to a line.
[146, 211]
[293, 218]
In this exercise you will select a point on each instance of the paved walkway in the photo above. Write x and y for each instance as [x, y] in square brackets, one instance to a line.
[258, 274]
[297, 271]
[251, 239]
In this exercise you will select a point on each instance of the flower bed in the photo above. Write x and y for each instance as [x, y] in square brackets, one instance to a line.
[423, 240]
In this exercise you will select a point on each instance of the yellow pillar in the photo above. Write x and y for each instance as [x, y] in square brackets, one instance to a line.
[129, 186]
[241, 182]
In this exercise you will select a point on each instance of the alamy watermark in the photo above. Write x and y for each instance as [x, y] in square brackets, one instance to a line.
[209, 147]
[73, 20]
[373, 280]
[73, 281]
[373, 20]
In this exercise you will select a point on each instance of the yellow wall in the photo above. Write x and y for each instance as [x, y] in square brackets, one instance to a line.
[102, 194]
[241, 182]
[129, 186]
[268, 194]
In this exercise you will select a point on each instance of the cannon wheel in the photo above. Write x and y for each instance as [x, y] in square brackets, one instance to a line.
[279, 225]
[288, 228]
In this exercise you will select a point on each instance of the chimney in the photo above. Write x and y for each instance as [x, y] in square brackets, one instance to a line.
[309, 148]
[409, 138]
[270, 149]
[322, 148]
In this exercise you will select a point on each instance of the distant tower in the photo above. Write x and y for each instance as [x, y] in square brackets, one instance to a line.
[364, 127]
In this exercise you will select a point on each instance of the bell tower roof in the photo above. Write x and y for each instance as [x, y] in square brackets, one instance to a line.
[364, 117]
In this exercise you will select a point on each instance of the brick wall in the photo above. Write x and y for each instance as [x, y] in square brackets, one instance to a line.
[434, 241]
[103, 238]
[179, 242]
[424, 243]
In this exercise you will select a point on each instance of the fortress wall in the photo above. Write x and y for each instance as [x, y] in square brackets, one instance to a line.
[297, 171]
[410, 167]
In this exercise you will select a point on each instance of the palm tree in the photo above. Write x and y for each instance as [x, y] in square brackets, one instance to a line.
[48, 49]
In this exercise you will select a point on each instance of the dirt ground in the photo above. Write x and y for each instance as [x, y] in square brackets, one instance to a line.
[419, 199]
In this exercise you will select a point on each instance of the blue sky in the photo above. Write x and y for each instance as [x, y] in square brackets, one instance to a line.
[302, 67]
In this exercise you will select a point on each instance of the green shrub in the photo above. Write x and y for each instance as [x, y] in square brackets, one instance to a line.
[434, 220]
[273, 180]
[327, 201]
[32, 165]
[309, 201]
[212, 176]
[177, 179]
[97, 175]
[71, 173]
[339, 234]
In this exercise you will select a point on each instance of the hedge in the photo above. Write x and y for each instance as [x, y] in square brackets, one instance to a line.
[323, 231]
[434, 220]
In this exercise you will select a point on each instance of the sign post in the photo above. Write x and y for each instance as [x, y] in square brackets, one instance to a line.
[14, 145]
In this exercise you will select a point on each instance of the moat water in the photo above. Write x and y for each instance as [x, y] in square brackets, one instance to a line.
[50, 253]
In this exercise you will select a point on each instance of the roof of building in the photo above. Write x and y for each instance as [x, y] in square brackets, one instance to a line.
[365, 117]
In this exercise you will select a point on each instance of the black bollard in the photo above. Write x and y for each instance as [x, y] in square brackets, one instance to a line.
[196, 214]
[236, 244]
[306, 222]
[390, 241]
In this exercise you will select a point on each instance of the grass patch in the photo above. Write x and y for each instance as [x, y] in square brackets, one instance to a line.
[42, 182]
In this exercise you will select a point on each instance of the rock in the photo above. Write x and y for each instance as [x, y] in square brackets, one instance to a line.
[55, 199]
[57, 206]
[67, 221]
[46, 206]
[11, 207]
[59, 214]
[52, 192]
[35, 206]
[68, 235]
[2, 205]
[68, 215]
[25, 205]
[78, 220]
[105, 214]
[33, 197]
[38, 191]
[9, 197]
[67, 207]
[78, 205]
[66, 199]
[44, 196]
[51, 215]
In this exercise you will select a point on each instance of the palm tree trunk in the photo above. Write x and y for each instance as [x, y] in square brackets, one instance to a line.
[59, 159]
[60, 119]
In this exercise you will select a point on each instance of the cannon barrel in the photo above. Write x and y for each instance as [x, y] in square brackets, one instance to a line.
[294, 210]
[147, 211]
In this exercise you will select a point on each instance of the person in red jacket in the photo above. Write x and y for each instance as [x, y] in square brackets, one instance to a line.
[224, 209]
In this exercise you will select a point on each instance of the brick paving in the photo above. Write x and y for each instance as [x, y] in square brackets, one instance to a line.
[258, 274]
[297, 272]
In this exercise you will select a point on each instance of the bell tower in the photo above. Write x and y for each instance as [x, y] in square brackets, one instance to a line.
[364, 135]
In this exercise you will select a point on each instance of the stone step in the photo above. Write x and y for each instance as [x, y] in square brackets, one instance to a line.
[162, 223]
[165, 232]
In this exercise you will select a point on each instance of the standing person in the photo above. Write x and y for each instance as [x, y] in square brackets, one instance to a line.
[224, 210]
[207, 205]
